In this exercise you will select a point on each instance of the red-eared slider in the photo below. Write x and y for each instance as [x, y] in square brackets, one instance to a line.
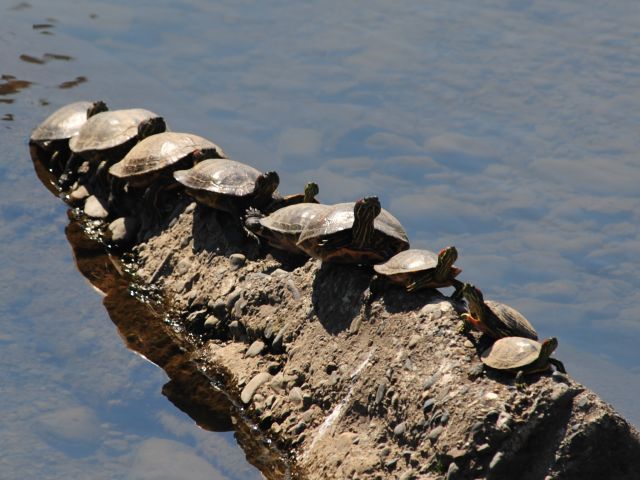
[54, 133]
[65, 122]
[114, 132]
[416, 269]
[522, 355]
[493, 318]
[161, 154]
[229, 185]
[360, 232]
[282, 228]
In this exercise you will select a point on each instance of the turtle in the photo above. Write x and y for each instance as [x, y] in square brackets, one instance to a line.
[53, 134]
[106, 137]
[147, 168]
[354, 232]
[311, 189]
[522, 356]
[161, 154]
[494, 318]
[111, 134]
[282, 228]
[229, 185]
[416, 269]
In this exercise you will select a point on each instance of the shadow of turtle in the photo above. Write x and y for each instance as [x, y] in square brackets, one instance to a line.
[338, 294]
[218, 232]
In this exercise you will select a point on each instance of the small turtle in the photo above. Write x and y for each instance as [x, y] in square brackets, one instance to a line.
[311, 189]
[416, 269]
[229, 185]
[360, 232]
[282, 228]
[493, 318]
[522, 356]
[52, 135]
[161, 154]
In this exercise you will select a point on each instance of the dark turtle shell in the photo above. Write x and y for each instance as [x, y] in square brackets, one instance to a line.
[226, 184]
[389, 236]
[282, 228]
[160, 151]
[65, 122]
[110, 129]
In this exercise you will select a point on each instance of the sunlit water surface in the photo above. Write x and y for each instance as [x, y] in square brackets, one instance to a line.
[508, 129]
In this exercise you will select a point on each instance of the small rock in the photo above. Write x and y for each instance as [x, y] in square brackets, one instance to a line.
[413, 341]
[391, 464]
[382, 386]
[279, 273]
[250, 389]
[582, 403]
[475, 371]
[237, 260]
[236, 329]
[435, 433]
[444, 419]
[123, 229]
[295, 293]
[468, 343]
[452, 471]
[407, 475]
[295, 396]
[300, 427]
[190, 208]
[78, 194]
[431, 381]
[485, 447]
[232, 299]
[496, 460]
[278, 341]
[183, 266]
[94, 208]
[211, 322]
[504, 420]
[428, 405]
[559, 376]
[255, 349]
[399, 429]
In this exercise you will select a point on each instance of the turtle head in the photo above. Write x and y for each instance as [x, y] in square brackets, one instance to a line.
[151, 126]
[252, 220]
[548, 347]
[311, 189]
[365, 212]
[266, 184]
[473, 296]
[96, 107]
[446, 257]
[200, 154]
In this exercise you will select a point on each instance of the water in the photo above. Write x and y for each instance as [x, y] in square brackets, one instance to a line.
[508, 129]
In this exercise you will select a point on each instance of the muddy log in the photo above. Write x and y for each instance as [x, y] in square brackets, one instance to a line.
[361, 385]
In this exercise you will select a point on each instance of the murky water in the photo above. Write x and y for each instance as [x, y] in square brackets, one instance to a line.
[508, 129]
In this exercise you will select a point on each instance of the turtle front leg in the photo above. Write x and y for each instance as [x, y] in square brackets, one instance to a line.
[558, 364]
[457, 293]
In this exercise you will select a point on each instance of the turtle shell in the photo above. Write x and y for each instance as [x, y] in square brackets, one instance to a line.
[340, 217]
[160, 151]
[223, 176]
[408, 261]
[511, 353]
[294, 218]
[513, 321]
[107, 130]
[62, 124]
[282, 228]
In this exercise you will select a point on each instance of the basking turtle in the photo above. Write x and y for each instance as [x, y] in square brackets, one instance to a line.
[522, 355]
[161, 154]
[282, 228]
[229, 185]
[112, 134]
[493, 318]
[360, 232]
[416, 269]
[107, 137]
[54, 133]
